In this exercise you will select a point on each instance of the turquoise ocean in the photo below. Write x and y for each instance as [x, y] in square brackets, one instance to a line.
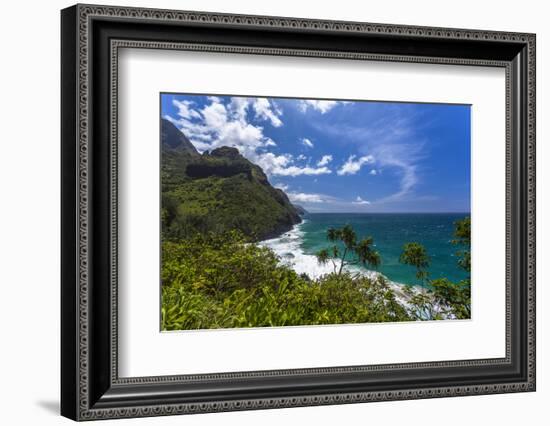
[390, 231]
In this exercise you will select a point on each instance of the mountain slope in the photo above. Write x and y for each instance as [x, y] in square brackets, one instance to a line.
[217, 192]
[301, 211]
[173, 139]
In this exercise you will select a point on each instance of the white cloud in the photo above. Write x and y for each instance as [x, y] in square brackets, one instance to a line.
[262, 107]
[297, 171]
[265, 111]
[360, 201]
[215, 115]
[239, 107]
[185, 110]
[352, 166]
[272, 163]
[218, 124]
[301, 197]
[281, 165]
[281, 186]
[307, 142]
[317, 105]
[305, 198]
[225, 124]
[408, 180]
[392, 139]
[325, 159]
[404, 157]
[301, 157]
[373, 172]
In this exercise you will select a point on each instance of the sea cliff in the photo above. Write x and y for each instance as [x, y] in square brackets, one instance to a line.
[218, 191]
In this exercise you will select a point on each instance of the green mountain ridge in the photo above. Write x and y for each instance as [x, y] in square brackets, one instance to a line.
[218, 191]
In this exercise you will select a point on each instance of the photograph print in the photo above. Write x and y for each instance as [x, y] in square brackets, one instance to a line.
[298, 212]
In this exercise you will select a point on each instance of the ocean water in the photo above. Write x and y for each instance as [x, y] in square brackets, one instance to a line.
[390, 231]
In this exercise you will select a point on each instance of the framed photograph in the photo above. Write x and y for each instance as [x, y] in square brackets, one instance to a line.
[263, 212]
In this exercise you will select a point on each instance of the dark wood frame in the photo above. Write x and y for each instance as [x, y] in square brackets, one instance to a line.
[90, 386]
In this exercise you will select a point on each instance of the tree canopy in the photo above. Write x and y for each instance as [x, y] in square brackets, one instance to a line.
[353, 251]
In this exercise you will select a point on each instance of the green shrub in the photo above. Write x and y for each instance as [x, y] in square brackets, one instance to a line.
[441, 298]
[221, 281]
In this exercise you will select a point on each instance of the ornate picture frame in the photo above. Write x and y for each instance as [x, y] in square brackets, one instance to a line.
[91, 39]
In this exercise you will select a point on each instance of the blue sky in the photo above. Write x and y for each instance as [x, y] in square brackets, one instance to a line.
[340, 156]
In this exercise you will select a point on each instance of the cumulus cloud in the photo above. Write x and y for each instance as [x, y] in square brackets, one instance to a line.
[373, 172]
[301, 197]
[307, 142]
[353, 165]
[266, 111]
[304, 197]
[185, 109]
[281, 186]
[218, 123]
[282, 165]
[226, 123]
[310, 171]
[360, 201]
[325, 159]
[239, 108]
[263, 109]
[318, 105]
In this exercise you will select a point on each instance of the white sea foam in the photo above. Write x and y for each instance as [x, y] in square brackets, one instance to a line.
[288, 248]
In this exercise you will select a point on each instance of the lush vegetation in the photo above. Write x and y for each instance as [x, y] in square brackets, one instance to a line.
[221, 280]
[441, 298]
[353, 253]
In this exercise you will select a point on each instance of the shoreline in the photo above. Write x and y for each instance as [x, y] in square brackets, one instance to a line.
[288, 249]
[273, 235]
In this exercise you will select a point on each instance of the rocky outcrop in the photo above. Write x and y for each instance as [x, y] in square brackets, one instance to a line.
[218, 191]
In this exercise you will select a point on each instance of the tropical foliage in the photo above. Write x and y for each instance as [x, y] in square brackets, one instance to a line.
[352, 253]
[441, 298]
[414, 254]
[222, 280]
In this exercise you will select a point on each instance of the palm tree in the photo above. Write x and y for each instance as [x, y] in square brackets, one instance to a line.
[362, 250]
[414, 254]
